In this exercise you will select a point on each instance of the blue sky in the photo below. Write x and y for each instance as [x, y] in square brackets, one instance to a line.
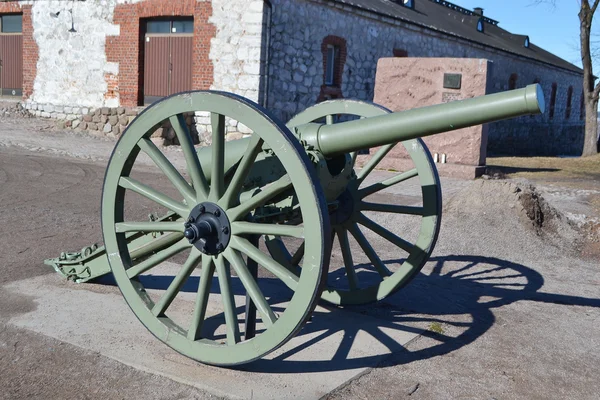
[555, 29]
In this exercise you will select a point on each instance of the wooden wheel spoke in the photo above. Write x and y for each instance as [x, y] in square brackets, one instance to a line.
[251, 286]
[168, 169]
[387, 183]
[353, 157]
[369, 251]
[374, 161]
[154, 195]
[157, 258]
[231, 320]
[342, 235]
[295, 260]
[250, 228]
[392, 208]
[177, 283]
[208, 270]
[123, 227]
[386, 234]
[284, 274]
[217, 181]
[191, 158]
[261, 198]
[241, 173]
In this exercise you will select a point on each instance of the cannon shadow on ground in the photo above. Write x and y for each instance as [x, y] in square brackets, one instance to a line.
[452, 304]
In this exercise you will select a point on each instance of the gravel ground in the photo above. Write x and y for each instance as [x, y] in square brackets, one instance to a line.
[510, 299]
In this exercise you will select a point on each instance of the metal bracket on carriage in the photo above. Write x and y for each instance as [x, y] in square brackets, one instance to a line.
[91, 262]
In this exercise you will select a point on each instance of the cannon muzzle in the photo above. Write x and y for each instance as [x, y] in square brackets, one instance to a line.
[352, 136]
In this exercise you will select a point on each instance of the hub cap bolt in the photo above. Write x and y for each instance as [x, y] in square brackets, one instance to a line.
[217, 213]
[225, 230]
[201, 209]
[189, 234]
[220, 247]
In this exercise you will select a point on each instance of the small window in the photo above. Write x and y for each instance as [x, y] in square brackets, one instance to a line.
[163, 26]
[526, 44]
[512, 82]
[480, 25]
[12, 23]
[400, 53]
[569, 101]
[158, 27]
[184, 26]
[552, 101]
[333, 56]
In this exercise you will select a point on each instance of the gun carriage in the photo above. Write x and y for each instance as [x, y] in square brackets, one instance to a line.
[278, 199]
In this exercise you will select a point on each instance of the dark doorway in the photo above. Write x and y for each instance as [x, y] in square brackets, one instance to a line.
[11, 55]
[168, 49]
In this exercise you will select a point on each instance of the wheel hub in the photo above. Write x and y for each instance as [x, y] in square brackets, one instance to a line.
[208, 228]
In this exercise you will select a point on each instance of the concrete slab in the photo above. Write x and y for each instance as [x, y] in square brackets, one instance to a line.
[334, 347]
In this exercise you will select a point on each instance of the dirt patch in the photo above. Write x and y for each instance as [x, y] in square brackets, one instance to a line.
[508, 201]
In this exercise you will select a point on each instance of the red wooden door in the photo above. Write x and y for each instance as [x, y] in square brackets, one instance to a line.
[167, 58]
[157, 67]
[181, 64]
[11, 64]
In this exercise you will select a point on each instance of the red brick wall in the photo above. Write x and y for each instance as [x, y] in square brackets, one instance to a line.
[30, 49]
[125, 49]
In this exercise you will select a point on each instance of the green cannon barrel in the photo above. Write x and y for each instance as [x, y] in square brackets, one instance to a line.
[400, 126]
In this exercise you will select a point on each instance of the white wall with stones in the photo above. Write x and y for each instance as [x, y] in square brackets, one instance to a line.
[296, 62]
[236, 48]
[71, 67]
[235, 52]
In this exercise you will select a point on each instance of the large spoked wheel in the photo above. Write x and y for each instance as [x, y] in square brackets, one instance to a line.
[209, 227]
[377, 246]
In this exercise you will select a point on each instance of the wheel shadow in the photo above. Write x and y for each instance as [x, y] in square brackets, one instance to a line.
[451, 302]
[467, 287]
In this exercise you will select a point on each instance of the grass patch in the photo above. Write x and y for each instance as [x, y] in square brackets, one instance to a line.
[550, 168]
[436, 327]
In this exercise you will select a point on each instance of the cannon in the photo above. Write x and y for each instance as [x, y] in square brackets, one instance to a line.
[280, 199]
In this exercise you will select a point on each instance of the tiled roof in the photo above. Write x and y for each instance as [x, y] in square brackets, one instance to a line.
[448, 18]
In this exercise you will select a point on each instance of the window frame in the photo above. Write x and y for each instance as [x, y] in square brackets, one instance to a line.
[480, 25]
[569, 102]
[512, 81]
[332, 64]
[2, 24]
[171, 21]
[553, 94]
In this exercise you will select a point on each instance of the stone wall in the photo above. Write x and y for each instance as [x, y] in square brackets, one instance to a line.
[235, 51]
[296, 74]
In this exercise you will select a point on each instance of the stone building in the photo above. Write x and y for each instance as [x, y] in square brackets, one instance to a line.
[70, 58]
